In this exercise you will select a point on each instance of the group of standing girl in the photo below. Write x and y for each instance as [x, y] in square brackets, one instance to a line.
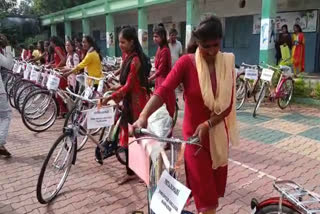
[207, 76]
[291, 50]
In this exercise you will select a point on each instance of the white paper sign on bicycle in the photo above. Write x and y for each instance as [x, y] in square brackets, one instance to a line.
[100, 117]
[53, 80]
[267, 74]
[170, 195]
[251, 74]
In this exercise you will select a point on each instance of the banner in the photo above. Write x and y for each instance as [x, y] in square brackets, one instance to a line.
[268, 35]
[306, 19]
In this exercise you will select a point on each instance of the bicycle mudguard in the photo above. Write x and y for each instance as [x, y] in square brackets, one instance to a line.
[275, 200]
[75, 154]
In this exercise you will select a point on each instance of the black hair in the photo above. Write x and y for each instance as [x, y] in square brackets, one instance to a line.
[77, 39]
[41, 46]
[285, 26]
[162, 33]
[50, 53]
[3, 41]
[209, 29]
[93, 44]
[173, 31]
[31, 47]
[57, 41]
[299, 28]
[129, 33]
[72, 44]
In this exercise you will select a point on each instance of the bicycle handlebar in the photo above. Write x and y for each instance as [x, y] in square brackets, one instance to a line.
[81, 97]
[251, 66]
[191, 140]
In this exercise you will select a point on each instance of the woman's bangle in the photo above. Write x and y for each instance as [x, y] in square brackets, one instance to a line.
[210, 124]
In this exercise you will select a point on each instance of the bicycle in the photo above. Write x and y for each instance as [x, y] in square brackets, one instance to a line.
[40, 108]
[162, 161]
[283, 91]
[245, 87]
[62, 155]
[294, 199]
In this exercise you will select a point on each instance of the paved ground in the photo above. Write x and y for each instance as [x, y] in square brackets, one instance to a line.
[276, 145]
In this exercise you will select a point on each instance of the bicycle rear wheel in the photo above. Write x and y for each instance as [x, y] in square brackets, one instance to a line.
[21, 97]
[55, 169]
[262, 94]
[274, 209]
[241, 88]
[286, 91]
[39, 111]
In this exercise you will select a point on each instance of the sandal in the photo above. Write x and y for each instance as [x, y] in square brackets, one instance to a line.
[126, 179]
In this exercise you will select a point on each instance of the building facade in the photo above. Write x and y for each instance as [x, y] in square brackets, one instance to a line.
[102, 19]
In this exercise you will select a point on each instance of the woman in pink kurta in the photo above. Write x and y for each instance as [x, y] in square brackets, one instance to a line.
[207, 184]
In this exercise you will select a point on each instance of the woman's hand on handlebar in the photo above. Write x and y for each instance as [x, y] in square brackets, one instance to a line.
[66, 74]
[202, 131]
[142, 122]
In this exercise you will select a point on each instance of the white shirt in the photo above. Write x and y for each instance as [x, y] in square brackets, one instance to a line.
[6, 59]
[176, 51]
[76, 60]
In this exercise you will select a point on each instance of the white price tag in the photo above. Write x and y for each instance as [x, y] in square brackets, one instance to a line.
[98, 118]
[19, 68]
[26, 73]
[251, 74]
[170, 195]
[100, 86]
[53, 82]
[87, 93]
[267, 74]
[15, 67]
[34, 76]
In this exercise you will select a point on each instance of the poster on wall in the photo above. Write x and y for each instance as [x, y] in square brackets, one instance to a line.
[268, 34]
[188, 34]
[306, 19]
[110, 39]
[143, 38]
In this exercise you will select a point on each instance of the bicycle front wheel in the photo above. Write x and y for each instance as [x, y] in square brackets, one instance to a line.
[286, 91]
[55, 169]
[82, 137]
[262, 94]
[274, 209]
[156, 169]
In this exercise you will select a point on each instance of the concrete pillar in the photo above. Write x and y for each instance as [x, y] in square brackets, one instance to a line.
[143, 28]
[268, 31]
[67, 30]
[86, 27]
[110, 37]
[193, 17]
[53, 30]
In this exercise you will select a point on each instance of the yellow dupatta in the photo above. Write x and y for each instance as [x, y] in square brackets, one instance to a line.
[219, 140]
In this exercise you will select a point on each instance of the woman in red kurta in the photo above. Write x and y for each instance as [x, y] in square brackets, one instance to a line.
[163, 65]
[134, 91]
[59, 62]
[206, 184]
[298, 50]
